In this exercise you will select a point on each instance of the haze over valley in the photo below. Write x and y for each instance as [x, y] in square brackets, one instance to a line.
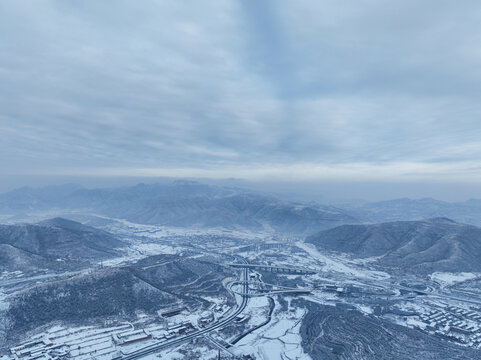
[268, 180]
[188, 270]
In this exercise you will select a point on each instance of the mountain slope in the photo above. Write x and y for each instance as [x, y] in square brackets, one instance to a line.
[29, 245]
[13, 259]
[151, 284]
[342, 332]
[108, 292]
[419, 246]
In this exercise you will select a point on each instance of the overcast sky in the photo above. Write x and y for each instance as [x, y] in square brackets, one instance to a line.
[360, 90]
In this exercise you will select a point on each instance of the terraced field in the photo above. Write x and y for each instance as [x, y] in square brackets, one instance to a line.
[342, 332]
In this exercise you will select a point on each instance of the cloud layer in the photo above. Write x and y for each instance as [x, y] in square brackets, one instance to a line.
[310, 89]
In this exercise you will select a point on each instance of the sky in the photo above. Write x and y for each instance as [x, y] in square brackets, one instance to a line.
[297, 92]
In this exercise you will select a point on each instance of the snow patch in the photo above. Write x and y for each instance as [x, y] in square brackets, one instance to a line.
[366, 309]
[448, 279]
[335, 265]
[280, 339]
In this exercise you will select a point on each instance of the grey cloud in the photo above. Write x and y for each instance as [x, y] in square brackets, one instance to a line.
[224, 84]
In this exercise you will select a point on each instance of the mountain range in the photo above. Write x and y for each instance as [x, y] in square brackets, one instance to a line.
[468, 212]
[180, 204]
[192, 204]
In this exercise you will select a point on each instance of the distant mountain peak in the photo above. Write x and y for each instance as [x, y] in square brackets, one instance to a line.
[60, 221]
[68, 224]
[185, 182]
[443, 219]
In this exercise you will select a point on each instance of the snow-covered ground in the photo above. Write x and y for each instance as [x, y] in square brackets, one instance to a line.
[200, 352]
[365, 309]
[448, 279]
[280, 339]
[323, 298]
[139, 251]
[3, 302]
[159, 232]
[341, 266]
[92, 342]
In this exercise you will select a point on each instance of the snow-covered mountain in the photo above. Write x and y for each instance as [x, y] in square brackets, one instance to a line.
[418, 246]
[52, 243]
[468, 212]
[181, 204]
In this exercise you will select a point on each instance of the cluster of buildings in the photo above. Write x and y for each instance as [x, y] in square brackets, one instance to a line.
[333, 288]
[158, 334]
[171, 312]
[262, 246]
[458, 324]
[205, 318]
[88, 343]
[43, 349]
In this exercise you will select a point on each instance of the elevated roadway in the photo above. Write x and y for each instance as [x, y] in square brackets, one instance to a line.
[276, 289]
[274, 269]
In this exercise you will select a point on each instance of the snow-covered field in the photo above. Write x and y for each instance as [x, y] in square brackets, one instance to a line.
[159, 232]
[332, 264]
[280, 339]
[448, 279]
[139, 251]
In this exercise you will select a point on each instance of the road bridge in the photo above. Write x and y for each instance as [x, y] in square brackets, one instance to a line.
[274, 269]
[279, 292]
[274, 290]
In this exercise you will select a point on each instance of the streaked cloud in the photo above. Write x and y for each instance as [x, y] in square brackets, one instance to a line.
[304, 89]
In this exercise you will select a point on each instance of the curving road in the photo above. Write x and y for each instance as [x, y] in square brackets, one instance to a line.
[220, 324]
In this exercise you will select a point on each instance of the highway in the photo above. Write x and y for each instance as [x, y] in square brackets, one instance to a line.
[220, 324]
[279, 269]
[278, 289]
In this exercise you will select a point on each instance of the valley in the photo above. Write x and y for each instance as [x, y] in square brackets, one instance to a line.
[186, 297]
[86, 285]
